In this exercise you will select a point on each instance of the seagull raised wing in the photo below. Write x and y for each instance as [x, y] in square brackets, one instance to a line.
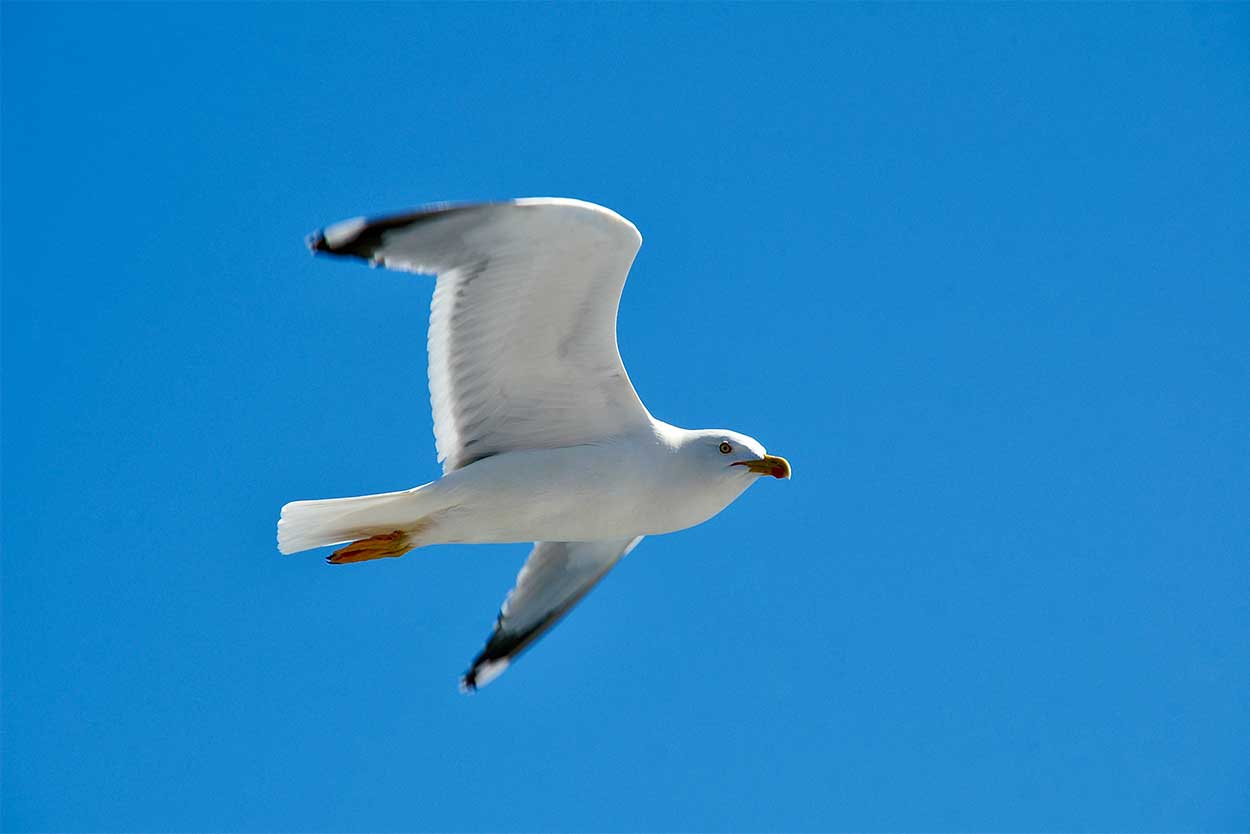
[522, 332]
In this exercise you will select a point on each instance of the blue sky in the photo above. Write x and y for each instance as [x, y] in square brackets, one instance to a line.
[1000, 254]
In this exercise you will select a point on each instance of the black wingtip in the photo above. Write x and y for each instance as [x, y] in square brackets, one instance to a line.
[316, 242]
[468, 681]
[362, 237]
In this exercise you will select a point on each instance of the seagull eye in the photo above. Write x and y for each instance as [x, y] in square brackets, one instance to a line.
[725, 448]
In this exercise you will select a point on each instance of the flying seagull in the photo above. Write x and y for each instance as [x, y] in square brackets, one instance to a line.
[541, 435]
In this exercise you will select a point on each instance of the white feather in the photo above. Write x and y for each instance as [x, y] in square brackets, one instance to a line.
[522, 336]
[308, 524]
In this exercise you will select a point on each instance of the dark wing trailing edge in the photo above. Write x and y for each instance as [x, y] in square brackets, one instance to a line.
[555, 577]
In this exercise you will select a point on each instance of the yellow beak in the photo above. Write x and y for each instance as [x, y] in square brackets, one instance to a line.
[773, 465]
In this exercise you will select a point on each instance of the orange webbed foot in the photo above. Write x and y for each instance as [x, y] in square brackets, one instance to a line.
[383, 546]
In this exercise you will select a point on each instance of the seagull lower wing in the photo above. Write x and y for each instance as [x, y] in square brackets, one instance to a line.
[555, 577]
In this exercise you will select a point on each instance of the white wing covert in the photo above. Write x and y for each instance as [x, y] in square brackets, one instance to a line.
[522, 337]
[554, 579]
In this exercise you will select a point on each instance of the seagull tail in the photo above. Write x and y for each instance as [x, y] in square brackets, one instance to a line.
[387, 524]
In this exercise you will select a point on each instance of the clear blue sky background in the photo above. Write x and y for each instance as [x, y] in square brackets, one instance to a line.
[980, 272]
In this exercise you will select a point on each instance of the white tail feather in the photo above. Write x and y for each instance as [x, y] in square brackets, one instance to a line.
[308, 524]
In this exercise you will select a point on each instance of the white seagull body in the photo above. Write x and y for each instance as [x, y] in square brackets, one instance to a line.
[541, 435]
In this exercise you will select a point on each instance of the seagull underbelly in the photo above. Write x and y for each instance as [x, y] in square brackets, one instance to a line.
[582, 493]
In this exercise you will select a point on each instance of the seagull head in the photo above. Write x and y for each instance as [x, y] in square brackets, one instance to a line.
[734, 454]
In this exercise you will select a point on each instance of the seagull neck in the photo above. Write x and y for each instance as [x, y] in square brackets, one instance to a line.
[673, 439]
[669, 435]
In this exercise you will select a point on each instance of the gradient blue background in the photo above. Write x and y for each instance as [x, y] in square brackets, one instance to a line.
[980, 272]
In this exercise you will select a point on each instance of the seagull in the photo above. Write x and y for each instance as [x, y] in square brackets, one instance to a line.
[540, 433]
